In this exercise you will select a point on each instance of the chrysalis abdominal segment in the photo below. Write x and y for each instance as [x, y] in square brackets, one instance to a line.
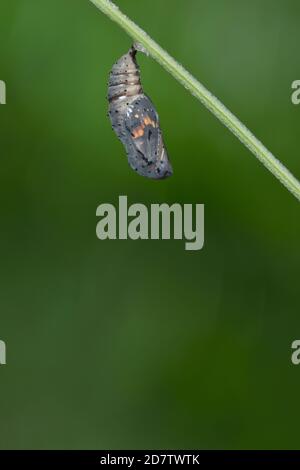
[135, 120]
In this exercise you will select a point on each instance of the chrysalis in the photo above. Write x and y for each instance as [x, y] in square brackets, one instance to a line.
[135, 120]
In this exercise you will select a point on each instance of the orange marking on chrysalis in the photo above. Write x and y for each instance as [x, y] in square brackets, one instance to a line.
[138, 132]
[148, 121]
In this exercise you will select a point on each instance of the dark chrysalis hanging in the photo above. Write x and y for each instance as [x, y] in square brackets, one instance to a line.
[135, 120]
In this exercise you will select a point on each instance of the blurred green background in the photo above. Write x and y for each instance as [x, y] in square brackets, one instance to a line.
[141, 344]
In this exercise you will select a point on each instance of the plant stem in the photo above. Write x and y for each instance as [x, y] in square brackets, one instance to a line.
[203, 95]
